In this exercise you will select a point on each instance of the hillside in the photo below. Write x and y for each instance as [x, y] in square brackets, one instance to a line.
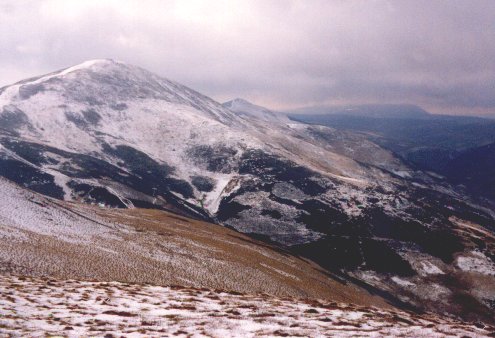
[44, 237]
[437, 143]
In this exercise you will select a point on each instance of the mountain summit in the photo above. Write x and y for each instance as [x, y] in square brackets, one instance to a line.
[105, 82]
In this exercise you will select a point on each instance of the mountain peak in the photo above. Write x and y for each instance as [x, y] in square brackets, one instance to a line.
[92, 64]
[239, 103]
[108, 85]
[246, 108]
[236, 101]
[95, 65]
[100, 62]
[89, 63]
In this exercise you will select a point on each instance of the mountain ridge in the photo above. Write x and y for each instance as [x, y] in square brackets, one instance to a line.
[244, 107]
[369, 110]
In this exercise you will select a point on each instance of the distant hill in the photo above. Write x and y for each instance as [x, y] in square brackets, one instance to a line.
[370, 110]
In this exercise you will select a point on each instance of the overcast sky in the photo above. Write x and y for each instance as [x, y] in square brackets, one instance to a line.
[281, 54]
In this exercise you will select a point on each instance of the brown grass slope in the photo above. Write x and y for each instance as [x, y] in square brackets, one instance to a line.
[149, 246]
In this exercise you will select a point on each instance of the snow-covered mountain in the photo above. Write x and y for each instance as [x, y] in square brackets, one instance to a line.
[116, 112]
[111, 133]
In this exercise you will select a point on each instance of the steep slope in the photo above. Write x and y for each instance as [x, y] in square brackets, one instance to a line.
[107, 132]
[104, 131]
[41, 236]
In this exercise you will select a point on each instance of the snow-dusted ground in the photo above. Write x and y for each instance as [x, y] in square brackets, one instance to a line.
[39, 307]
[23, 213]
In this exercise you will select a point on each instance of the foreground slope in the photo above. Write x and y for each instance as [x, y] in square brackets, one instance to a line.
[112, 133]
[44, 237]
[39, 307]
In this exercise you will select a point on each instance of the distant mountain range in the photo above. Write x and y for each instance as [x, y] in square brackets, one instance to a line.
[353, 200]
[457, 147]
[369, 110]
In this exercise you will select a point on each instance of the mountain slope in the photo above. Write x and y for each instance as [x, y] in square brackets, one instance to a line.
[252, 111]
[107, 132]
[117, 111]
[113, 112]
[429, 143]
[475, 169]
[41, 236]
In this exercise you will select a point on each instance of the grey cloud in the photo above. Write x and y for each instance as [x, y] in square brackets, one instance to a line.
[440, 54]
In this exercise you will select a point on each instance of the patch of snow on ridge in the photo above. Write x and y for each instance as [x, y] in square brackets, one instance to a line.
[402, 173]
[85, 65]
[476, 262]
[431, 269]
[402, 282]
[225, 185]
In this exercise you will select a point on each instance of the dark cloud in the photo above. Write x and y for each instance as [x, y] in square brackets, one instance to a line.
[440, 54]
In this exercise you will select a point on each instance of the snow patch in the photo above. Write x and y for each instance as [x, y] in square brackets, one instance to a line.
[476, 262]
[402, 282]
[430, 268]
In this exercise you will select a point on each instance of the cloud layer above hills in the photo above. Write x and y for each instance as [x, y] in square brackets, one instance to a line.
[282, 54]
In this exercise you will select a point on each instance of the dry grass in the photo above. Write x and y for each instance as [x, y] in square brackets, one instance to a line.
[161, 248]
